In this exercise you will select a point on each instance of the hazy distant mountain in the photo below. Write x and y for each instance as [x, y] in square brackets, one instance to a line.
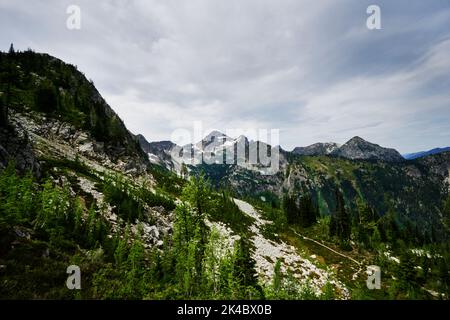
[358, 148]
[411, 156]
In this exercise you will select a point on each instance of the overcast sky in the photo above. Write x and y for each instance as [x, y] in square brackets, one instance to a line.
[309, 68]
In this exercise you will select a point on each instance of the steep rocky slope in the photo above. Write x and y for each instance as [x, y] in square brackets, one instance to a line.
[15, 145]
[32, 82]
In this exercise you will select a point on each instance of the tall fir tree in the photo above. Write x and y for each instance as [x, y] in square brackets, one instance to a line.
[308, 211]
[3, 111]
[244, 266]
[291, 210]
[11, 50]
[198, 193]
[340, 223]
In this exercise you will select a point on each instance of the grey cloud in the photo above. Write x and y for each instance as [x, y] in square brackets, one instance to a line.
[309, 68]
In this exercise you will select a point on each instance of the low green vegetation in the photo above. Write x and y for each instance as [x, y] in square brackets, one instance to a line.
[226, 211]
[44, 229]
[129, 201]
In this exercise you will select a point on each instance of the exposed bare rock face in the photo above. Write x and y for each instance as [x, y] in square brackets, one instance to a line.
[358, 148]
[16, 146]
[53, 138]
[317, 149]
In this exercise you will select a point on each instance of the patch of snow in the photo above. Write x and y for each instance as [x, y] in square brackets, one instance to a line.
[390, 257]
[229, 143]
[153, 158]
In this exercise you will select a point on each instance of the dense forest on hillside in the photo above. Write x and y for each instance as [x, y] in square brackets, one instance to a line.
[38, 82]
[44, 229]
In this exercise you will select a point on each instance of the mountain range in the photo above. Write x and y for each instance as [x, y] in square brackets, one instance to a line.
[217, 145]
[355, 148]
[362, 170]
[77, 187]
[416, 155]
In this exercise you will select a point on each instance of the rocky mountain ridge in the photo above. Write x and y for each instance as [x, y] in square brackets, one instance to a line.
[317, 149]
[215, 148]
[358, 148]
[218, 148]
[355, 148]
[421, 154]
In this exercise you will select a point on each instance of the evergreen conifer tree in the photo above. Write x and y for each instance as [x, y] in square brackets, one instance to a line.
[11, 50]
[340, 224]
[3, 111]
[244, 265]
